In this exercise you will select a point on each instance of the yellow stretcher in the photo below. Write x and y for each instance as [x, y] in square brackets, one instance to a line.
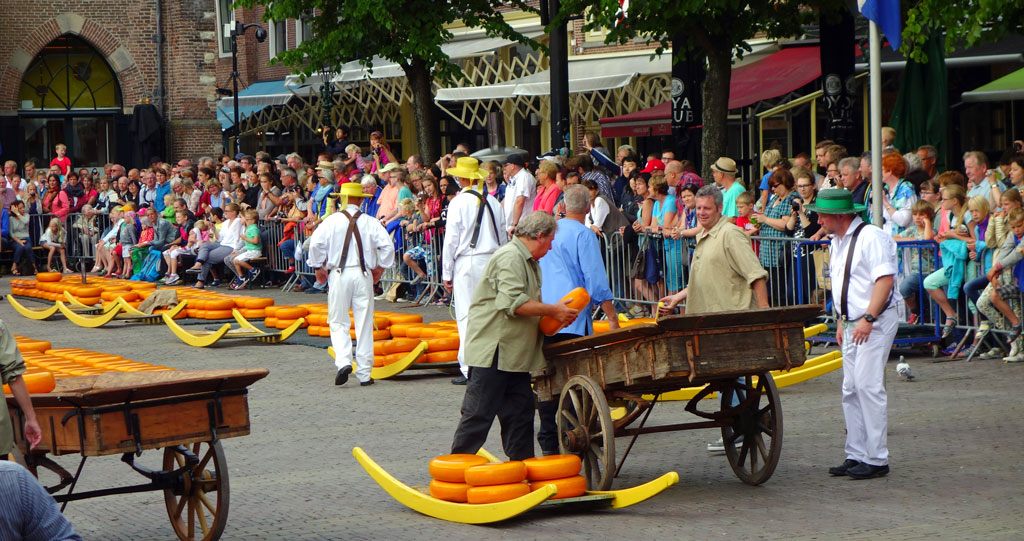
[246, 331]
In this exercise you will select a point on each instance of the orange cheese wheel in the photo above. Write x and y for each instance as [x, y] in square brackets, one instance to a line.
[313, 330]
[290, 312]
[38, 382]
[191, 312]
[404, 318]
[253, 313]
[285, 323]
[34, 345]
[199, 303]
[449, 492]
[543, 468]
[414, 331]
[270, 323]
[317, 319]
[398, 329]
[218, 314]
[513, 471]
[258, 302]
[399, 345]
[217, 304]
[141, 285]
[452, 468]
[90, 301]
[88, 291]
[496, 493]
[428, 332]
[378, 361]
[48, 276]
[576, 299]
[394, 357]
[314, 308]
[568, 487]
[271, 310]
[442, 344]
[449, 356]
[601, 326]
[325, 332]
[377, 335]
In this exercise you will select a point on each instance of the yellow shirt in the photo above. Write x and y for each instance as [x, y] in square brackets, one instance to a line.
[510, 278]
[723, 268]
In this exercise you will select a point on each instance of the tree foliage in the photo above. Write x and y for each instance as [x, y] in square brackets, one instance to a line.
[409, 33]
[965, 22]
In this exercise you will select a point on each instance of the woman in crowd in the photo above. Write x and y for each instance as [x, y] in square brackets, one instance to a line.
[803, 224]
[953, 244]
[494, 184]
[19, 238]
[189, 192]
[1000, 301]
[547, 190]
[899, 195]
[89, 194]
[73, 187]
[269, 198]
[55, 201]
[1016, 171]
[106, 260]
[662, 217]
[106, 198]
[201, 234]
[771, 161]
[133, 196]
[776, 256]
[929, 191]
[213, 197]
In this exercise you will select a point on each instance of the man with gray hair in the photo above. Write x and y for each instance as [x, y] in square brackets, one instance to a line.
[575, 258]
[849, 172]
[725, 274]
[504, 341]
[913, 162]
[929, 155]
[981, 180]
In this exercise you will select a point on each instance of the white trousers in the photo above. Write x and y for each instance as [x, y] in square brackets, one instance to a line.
[348, 289]
[465, 276]
[864, 400]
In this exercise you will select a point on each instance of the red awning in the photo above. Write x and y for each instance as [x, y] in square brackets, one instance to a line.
[772, 76]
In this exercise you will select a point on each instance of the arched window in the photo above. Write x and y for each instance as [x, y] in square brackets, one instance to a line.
[69, 75]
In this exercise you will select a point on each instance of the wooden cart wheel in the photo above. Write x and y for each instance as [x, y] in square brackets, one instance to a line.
[753, 442]
[585, 429]
[198, 504]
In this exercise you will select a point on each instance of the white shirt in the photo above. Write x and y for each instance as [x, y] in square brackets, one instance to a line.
[231, 234]
[598, 213]
[874, 257]
[328, 241]
[522, 184]
[458, 231]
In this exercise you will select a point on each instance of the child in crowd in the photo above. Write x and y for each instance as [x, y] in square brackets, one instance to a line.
[1001, 299]
[251, 237]
[745, 207]
[62, 162]
[169, 206]
[53, 240]
[126, 238]
[923, 261]
[201, 233]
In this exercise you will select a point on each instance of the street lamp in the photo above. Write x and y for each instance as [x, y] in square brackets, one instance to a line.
[237, 30]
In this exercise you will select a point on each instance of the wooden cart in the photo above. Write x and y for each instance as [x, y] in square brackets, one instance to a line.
[186, 413]
[731, 352]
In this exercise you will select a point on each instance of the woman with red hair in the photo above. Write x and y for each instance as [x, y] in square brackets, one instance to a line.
[899, 196]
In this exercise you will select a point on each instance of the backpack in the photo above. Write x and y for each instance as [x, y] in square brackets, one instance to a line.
[150, 270]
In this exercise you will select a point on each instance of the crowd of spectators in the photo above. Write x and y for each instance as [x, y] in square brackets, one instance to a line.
[199, 215]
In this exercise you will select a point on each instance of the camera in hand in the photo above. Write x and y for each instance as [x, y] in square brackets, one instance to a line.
[795, 204]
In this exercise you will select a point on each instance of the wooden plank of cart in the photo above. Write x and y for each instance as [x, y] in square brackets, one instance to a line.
[731, 352]
[185, 413]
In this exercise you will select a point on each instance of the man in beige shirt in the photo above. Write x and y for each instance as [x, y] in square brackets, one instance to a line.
[504, 341]
[725, 274]
[12, 366]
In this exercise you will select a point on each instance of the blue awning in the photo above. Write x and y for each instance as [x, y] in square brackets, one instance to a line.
[254, 98]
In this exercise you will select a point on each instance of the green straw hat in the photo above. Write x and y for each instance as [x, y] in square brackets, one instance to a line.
[835, 201]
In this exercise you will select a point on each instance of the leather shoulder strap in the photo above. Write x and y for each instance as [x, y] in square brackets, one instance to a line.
[353, 231]
[849, 267]
[483, 204]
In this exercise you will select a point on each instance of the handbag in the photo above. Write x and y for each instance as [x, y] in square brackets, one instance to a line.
[638, 270]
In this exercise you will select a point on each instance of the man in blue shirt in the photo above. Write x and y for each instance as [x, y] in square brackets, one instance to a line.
[573, 261]
[27, 511]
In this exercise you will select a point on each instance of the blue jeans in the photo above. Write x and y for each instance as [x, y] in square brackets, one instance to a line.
[973, 291]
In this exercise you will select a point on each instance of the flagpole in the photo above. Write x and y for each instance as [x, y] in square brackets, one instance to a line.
[875, 91]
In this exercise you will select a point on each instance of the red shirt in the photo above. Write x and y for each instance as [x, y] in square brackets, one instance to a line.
[64, 164]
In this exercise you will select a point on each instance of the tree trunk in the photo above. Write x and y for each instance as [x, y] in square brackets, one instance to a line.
[714, 136]
[424, 111]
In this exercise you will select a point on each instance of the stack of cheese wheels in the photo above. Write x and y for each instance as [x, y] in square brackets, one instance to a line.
[390, 351]
[448, 473]
[498, 482]
[559, 470]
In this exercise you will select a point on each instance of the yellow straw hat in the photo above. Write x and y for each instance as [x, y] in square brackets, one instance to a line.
[467, 167]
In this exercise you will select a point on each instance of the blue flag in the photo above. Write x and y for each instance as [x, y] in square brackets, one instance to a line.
[886, 14]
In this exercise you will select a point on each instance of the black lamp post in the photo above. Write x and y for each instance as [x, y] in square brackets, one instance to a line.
[238, 30]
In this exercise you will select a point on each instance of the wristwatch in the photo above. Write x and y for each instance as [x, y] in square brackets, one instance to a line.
[870, 318]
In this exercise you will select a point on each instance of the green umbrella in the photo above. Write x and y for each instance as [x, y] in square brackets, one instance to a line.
[921, 115]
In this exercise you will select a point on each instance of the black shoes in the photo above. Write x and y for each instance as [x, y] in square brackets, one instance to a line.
[844, 467]
[461, 380]
[366, 383]
[867, 471]
[342, 376]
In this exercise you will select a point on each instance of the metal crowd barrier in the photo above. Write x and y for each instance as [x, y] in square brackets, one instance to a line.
[628, 261]
[432, 286]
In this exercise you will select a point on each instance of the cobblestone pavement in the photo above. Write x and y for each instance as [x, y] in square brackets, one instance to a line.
[955, 439]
